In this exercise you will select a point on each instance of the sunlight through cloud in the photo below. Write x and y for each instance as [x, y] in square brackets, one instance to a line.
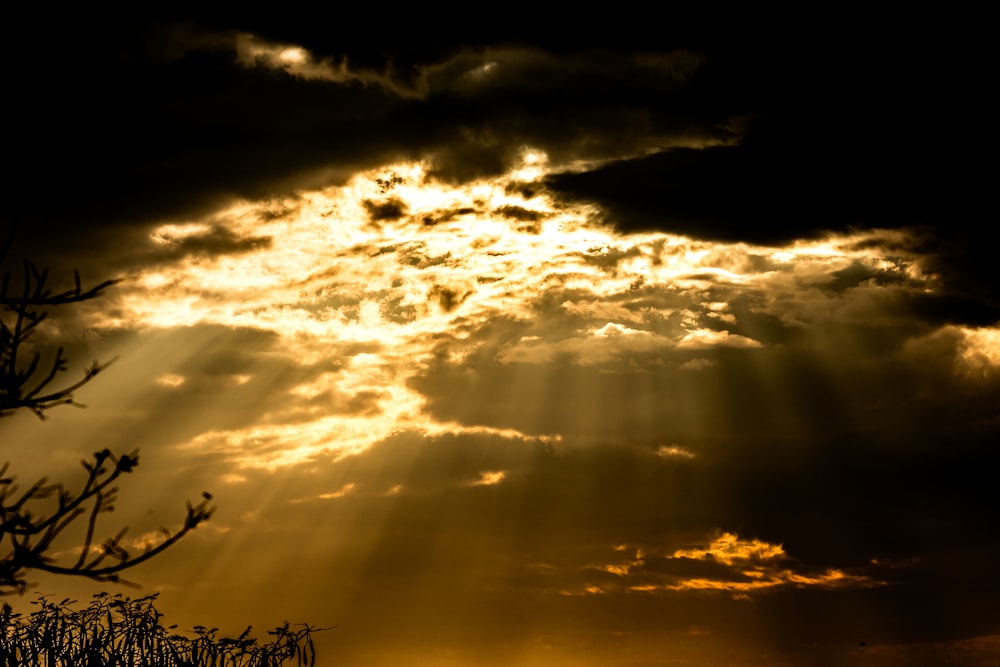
[383, 274]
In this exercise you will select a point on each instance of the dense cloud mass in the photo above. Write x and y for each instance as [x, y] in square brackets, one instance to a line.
[606, 344]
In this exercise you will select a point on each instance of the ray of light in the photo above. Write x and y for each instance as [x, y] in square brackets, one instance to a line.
[408, 268]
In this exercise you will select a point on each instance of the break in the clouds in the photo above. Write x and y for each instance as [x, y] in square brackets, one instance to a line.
[459, 291]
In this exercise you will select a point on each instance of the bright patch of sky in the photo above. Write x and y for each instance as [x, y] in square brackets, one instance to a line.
[372, 277]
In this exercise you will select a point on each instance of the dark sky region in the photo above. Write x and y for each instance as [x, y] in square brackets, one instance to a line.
[509, 339]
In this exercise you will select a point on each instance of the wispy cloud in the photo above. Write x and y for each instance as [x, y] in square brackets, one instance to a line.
[727, 563]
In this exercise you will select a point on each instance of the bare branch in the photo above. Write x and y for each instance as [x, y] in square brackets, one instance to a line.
[31, 537]
[20, 385]
[33, 520]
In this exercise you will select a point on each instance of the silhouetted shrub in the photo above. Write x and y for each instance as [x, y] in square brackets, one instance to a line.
[117, 631]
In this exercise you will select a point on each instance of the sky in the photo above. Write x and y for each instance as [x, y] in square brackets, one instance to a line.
[506, 341]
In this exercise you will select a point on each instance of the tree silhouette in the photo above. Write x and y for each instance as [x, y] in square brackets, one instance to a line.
[32, 519]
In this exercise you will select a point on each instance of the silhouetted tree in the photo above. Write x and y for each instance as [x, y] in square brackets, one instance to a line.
[30, 379]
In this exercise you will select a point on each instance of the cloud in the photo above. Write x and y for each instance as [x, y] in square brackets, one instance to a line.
[170, 380]
[412, 325]
[527, 71]
[959, 376]
[729, 549]
[343, 491]
[614, 342]
[675, 450]
[595, 347]
[979, 353]
[701, 339]
[696, 364]
[727, 564]
[172, 241]
[188, 117]
[464, 71]
[490, 478]
[252, 51]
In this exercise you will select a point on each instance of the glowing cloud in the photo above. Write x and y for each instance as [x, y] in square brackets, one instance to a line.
[979, 352]
[675, 451]
[366, 302]
[728, 548]
[170, 380]
[252, 51]
[701, 339]
[743, 567]
[490, 478]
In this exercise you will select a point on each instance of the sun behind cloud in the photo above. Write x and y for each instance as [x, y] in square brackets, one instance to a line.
[377, 296]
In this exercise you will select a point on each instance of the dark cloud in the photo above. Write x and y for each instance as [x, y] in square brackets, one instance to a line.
[498, 74]
[828, 138]
[781, 183]
[213, 241]
[163, 121]
[387, 209]
[150, 120]
[519, 213]
[447, 298]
